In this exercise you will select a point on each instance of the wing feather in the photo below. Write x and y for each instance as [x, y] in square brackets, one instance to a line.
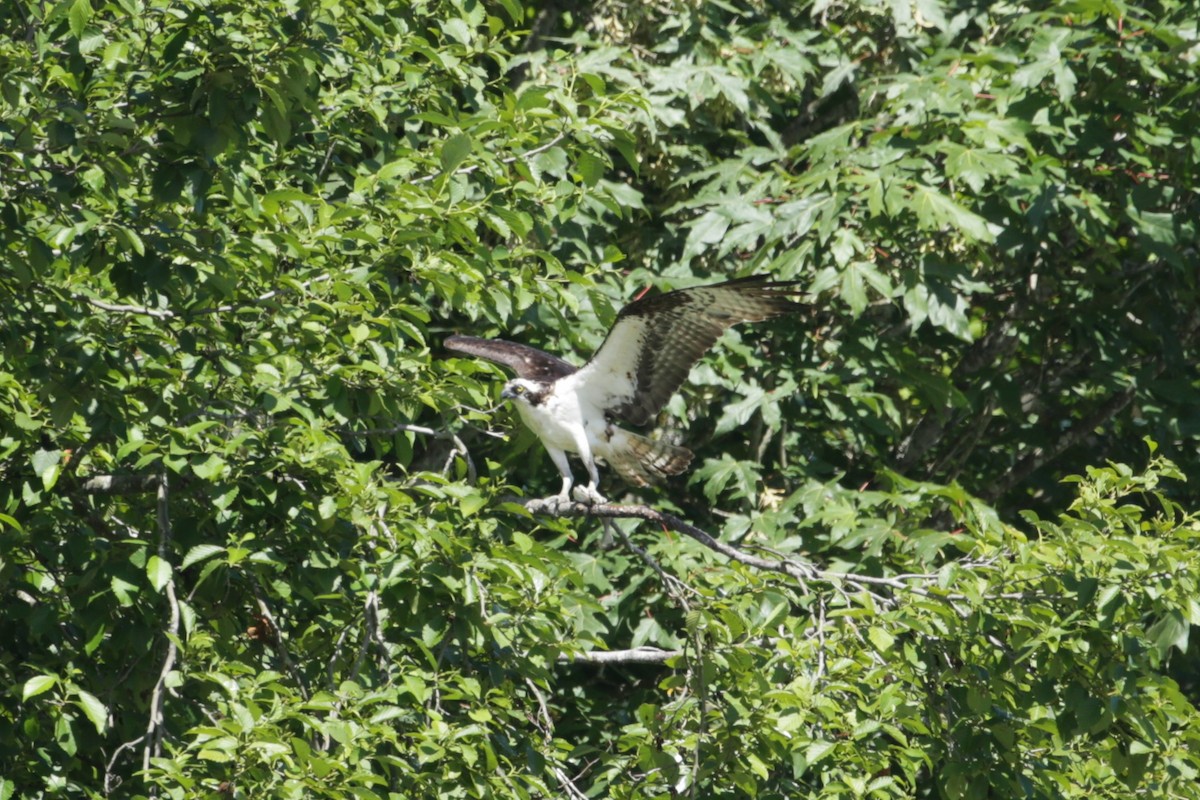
[528, 362]
[655, 341]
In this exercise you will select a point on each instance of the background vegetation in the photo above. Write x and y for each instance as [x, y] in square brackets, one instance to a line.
[257, 531]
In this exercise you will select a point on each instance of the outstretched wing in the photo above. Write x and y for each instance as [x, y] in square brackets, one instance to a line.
[528, 362]
[656, 340]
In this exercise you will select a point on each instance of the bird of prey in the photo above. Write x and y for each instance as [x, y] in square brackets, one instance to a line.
[645, 357]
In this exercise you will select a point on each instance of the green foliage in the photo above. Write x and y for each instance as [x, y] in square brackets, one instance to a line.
[256, 541]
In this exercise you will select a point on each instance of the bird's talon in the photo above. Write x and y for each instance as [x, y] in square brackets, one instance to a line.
[555, 502]
[589, 496]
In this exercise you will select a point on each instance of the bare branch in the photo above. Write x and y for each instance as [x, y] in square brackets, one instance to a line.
[544, 710]
[800, 571]
[571, 789]
[467, 170]
[166, 313]
[370, 632]
[154, 729]
[119, 484]
[157, 313]
[111, 779]
[638, 655]
[614, 511]
[674, 587]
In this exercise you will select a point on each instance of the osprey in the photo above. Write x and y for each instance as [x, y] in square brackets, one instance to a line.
[645, 357]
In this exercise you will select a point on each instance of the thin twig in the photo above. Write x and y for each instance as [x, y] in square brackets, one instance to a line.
[112, 781]
[571, 789]
[370, 632]
[467, 170]
[276, 638]
[673, 585]
[697, 670]
[165, 313]
[154, 729]
[544, 710]
[459, 447]
[820, 632]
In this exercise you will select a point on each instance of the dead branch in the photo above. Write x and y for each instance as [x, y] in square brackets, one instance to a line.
[638, 655]
[119, 484]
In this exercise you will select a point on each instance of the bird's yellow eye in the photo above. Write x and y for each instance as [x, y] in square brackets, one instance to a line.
[519, 390]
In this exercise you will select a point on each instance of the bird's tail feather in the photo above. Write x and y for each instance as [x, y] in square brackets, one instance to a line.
[642, 461]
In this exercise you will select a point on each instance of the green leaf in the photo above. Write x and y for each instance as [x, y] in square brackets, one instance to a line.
[327, 508]
[882, 640]
[210, 468]
[457, 29]
[115, 53]
[272, 200]
[591, 168]
[935, 210]
[158, 571]
[93, 709]
[727, 473]
[455, 151]
[515, 11]
[37, 685]
[708, 229]
[200, 552]
[79, 16]
[817, 751]
[130, 239]
[1170, 631]
[124, 591]
[47, 466]
[91, 41]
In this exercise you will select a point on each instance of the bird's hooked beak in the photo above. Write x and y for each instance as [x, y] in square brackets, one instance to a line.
[507, 394]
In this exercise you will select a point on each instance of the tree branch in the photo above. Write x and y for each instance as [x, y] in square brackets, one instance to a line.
[275, 635]
[459, 447]
[467, 170]
[1034, 458]
[154, 729]
[119, 484]
[801, 571]
[166, 313]
[613, 511]
[638, 655]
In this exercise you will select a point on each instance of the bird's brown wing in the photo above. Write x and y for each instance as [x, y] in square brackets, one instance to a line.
[527, 362]
[655, 341]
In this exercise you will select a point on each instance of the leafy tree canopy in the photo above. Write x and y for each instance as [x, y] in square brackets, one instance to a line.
[261, 537]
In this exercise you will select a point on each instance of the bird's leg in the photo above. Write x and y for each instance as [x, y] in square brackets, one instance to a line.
[564, 468]
[590, 494]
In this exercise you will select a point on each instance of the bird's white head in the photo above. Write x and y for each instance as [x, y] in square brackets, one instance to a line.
[525, 391]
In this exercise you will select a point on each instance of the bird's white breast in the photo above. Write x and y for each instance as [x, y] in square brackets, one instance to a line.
[563, 417]
[554, 421]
